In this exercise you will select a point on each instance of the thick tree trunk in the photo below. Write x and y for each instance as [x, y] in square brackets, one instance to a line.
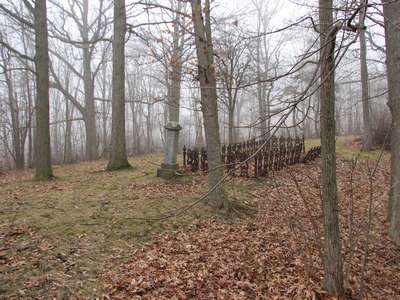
[175, 74]
[42, 138]
[118, 158]
[88, 84]
[391, 10]
[206, 70]
[172, 128]
[333, 270]
[90, 121]
[367, 131]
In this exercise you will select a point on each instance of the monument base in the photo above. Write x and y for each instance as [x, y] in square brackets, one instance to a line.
[167, 171]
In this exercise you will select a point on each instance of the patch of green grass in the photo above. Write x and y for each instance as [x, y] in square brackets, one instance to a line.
[88, 217]
[309, 143]
[345, 150]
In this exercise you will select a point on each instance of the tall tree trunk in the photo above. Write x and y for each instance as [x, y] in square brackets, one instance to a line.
[294, 121]
[338, 120]
[261, 103]
[90, 122]
[149, 128]
[172, 127]
[262, 112]
[268, 110]
[175, 74]
[367, 131]
[317, 111]
[333, 269]
[88, 84]
[18, 145]
[391, 11]
[132, 89]
[68, 133]
[42, 138]
[30, 122]
[69, 112]
[206, 70]
[54, 137]
[118, 158]
[231, 125]
[104, 112]
[199, 139]
[350, 113]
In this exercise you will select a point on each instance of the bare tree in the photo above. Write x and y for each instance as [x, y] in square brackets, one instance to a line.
[42, 140]
[18, 132]
[391, 10]
[174, 78]
[118, 157]
[266, 59]
[206, 73]
[367, 130]
[91, 33]
[233, 61]
[333, 269]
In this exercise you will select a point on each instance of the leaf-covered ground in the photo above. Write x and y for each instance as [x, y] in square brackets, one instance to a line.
[78, 237]
[276, 254]
[58, 238]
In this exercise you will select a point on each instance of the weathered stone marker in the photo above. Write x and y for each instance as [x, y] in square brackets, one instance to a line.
[169, 167]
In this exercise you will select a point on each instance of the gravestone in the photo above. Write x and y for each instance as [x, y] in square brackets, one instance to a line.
[169, 167]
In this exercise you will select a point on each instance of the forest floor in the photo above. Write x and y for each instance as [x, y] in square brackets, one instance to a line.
[85, 234]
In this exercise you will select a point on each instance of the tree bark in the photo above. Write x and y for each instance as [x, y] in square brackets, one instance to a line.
[206, 73]
[333, 270]
[175, 74]
[262, 111]
[42, 139]
[349, 112]
[118, 157]
[231, 125]
[172, 128]
[261, 102]
[68, 134]
[199, 140]
[104, 115]
[391, 11]
[88, 83]
[317, 128]
[367, 131]
[68, 126]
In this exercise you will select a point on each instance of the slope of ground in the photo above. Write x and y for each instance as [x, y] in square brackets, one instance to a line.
[57, 238]
[275, 255]
[78, 236]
